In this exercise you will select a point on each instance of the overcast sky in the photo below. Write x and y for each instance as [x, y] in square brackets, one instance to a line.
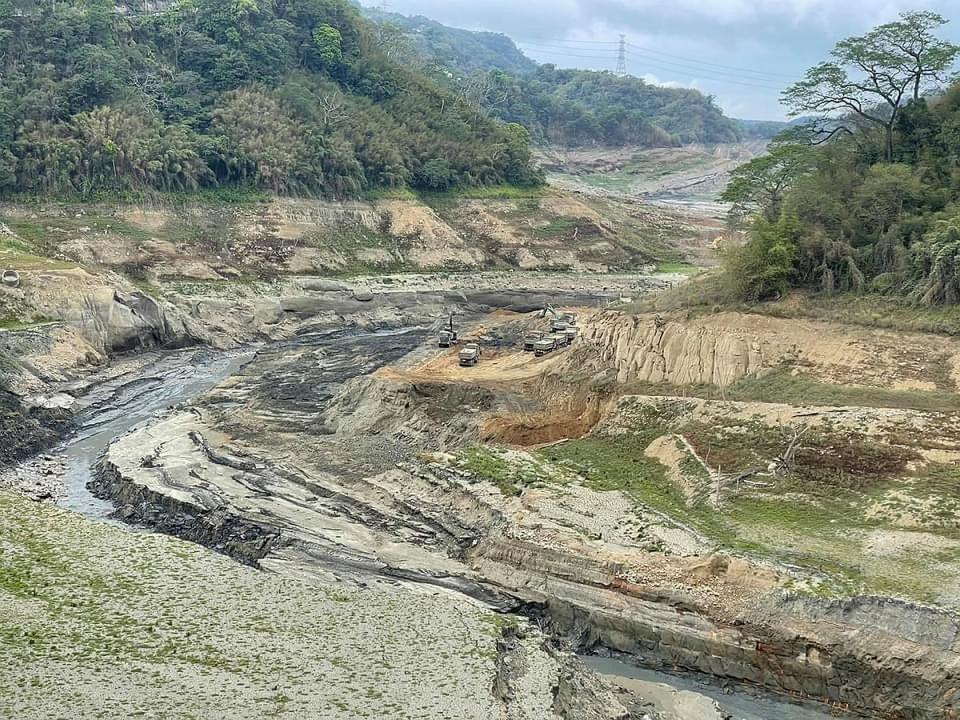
[741, 51]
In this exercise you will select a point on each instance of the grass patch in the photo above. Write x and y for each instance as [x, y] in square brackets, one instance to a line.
[511, 470]
[45, 234]
[390, 194]
[678, 268]
[9, 323]
[488, 464]
[217, 196]
[783, 386]
[447, 200]
[556, 227]
[708, 293]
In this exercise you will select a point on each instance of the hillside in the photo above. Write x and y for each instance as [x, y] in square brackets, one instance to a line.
[294, 97]
[467, 51]
[570, 107]
[859, 204]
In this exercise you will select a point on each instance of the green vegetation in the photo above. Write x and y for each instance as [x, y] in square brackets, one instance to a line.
[584, 107]
[785, 386]
[511, 471]
[558, 106]
[468, 51]
[290, 96]
[867, 200]
[678, 268]
[816, 517]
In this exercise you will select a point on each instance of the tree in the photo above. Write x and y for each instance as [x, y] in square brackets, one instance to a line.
[762, 269]
[929, 57]
[436, 175]
[263, 143]
[938, 260]
[329, 44]
[886, 191]
[871, 76]
[763, 182]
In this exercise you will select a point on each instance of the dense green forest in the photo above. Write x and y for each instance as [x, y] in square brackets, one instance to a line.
[868, 198]
[290, 96]
[568, 107]
[465, 51]
[584, 107]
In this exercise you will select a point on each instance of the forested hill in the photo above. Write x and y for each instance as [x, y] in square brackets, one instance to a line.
[290, 96]
[466, 51]
[561, 106]
[864, 198]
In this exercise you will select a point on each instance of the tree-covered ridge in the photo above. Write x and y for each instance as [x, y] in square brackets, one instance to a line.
[293, 96]
[575, 108]
[865, 198]
[466, 51]
[585, 107]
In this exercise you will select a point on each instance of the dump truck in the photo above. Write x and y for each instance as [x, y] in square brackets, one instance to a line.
[448, 336]
[470, 355]
[560, 340]
[530, 340]
[544, 346]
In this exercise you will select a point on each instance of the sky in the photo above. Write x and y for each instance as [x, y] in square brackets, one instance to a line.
[743, 52]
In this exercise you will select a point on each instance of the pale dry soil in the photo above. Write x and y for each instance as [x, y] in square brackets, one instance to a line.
[148, 625]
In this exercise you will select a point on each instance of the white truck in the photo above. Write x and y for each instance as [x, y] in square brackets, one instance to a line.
[470, 355]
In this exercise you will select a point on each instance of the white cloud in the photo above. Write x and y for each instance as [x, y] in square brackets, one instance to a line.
[652, 79]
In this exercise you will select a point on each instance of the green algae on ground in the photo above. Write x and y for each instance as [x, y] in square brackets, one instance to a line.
[97, 621]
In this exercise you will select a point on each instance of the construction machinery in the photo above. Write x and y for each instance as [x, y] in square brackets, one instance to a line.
[559, 325]
[530, 340]
[448, 336]
[547, 310]
[545, 345]
[470, 354]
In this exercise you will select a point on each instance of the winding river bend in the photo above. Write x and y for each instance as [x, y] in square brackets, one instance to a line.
[118, 406]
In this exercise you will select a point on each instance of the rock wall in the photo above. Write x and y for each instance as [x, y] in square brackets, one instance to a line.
[801, 649]
[640, 350]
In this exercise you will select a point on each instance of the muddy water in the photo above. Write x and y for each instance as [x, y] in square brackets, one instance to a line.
[679, 697]
[128, 402]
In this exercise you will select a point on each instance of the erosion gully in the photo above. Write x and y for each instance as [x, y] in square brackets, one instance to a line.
[166, 380]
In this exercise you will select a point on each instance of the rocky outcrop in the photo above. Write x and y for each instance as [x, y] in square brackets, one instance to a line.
[719, 349]
[216, 528]
[639, 349]
[532, 676]
[826, 652]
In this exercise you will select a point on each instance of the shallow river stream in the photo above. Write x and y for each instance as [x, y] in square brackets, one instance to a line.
[177, 377]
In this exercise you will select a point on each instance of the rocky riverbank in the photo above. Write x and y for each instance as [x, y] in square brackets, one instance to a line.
[315, 462]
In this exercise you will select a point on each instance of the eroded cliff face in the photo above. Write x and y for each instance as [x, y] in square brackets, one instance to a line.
[301, 236]
[719, 349]
[329, 456]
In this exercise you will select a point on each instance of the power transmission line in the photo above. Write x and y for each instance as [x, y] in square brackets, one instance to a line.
[722, 80]
[638, 48]
[613, 47]
[707, 73]
[612, 52]
[622, 57]
[648, 59]
[614, 43]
